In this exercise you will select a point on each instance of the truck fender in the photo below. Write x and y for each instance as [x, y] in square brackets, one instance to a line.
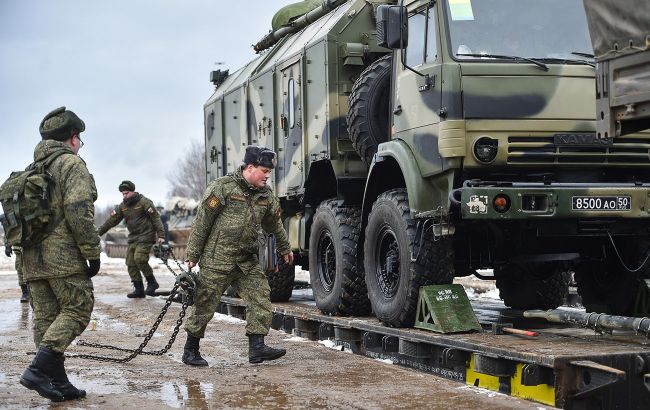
[395, 166]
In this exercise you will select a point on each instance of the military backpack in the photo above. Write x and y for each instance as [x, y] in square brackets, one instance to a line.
[25, 199]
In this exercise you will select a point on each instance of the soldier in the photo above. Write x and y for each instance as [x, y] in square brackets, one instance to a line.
[224, 242]
[58, 269]
[145, 228]
[24, 297]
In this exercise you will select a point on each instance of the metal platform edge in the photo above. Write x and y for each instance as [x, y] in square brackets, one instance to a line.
[583, 381]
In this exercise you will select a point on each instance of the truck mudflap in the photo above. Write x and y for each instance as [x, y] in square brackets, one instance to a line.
[498, 200]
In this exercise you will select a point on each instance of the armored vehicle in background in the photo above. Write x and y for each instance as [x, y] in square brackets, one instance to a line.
[421, 142]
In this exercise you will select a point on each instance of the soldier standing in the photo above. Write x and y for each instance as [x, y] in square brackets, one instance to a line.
[24, 297]
[145, 228]
[224, 242]
[58, 269]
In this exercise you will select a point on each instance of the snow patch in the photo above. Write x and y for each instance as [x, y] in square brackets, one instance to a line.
[229, 319]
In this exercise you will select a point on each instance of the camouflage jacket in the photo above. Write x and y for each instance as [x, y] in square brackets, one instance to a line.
[74, 239]
[224, 233]
[141, 217]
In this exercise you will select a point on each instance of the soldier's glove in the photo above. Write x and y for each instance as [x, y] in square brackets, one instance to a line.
[93, 267]
[8, 251]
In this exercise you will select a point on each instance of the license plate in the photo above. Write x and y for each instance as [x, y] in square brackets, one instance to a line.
[601, 203]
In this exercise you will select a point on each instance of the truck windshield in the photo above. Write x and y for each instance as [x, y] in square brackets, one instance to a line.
[537, 29]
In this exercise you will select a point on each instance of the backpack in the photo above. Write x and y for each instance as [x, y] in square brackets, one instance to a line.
[25, 199]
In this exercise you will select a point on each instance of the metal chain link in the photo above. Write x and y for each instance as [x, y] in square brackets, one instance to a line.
[186, 294]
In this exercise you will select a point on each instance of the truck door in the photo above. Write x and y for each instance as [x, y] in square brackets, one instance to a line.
[418, 97]
[290, 156]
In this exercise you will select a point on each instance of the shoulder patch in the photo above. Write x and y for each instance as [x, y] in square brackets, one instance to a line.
[213, 202]
[151, 210]
[113, 212]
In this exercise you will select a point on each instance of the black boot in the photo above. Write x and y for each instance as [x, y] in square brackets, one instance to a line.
[38, 376]
[191, 354]
[259, 352]
[152, 285]
[60, 381]
[24, 298]
[138, 290]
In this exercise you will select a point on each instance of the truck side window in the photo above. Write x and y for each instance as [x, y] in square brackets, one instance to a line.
[292, 107]
[432, 49]
[415, 49]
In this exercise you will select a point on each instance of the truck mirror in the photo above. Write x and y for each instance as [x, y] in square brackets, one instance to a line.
[392, 27]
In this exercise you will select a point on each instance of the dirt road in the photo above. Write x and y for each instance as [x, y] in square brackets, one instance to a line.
[311, 375]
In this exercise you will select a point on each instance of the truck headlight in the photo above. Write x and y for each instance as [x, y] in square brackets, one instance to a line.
[485, 149]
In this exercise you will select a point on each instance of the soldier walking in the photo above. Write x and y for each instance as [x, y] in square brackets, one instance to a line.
[59, 268]
[18, 265]
[145, 228]
[224, 243]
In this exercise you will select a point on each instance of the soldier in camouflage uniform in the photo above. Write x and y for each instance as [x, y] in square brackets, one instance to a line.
[24, 297]
[58, 269]
[224, 242]
[145, 227]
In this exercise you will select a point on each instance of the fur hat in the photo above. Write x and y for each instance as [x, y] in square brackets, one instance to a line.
[59, 124]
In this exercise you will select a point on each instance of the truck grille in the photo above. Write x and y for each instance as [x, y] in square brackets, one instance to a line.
[542, 150]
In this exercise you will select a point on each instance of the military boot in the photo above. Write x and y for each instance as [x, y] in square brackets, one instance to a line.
[259, 352]
[38, 376]
[61, 383]
[152, 285]
[138, 291]
[191, 354]
[24, 298]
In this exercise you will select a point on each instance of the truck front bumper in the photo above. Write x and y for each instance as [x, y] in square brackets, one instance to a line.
[499, 200]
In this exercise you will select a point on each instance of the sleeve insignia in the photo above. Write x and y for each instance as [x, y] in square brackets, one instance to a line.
[150, 210]
[213, 202]
[113, 212]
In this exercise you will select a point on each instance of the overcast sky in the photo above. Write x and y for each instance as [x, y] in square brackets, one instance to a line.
[136, 71]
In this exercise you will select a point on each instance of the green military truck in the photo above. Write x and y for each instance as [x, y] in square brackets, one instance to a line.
[425, 141]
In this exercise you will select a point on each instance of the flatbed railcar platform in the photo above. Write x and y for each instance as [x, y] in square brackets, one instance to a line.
[562, 366]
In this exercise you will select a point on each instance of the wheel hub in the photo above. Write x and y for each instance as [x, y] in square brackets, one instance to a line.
[326, 261]
[388, 263]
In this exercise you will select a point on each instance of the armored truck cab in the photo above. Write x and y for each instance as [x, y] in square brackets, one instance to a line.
[428, 140]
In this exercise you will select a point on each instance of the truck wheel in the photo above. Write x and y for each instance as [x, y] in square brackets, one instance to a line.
[281, 282]
[521, 286]
[336, 277]
[606, 289]
[399, 258]
[368, 108]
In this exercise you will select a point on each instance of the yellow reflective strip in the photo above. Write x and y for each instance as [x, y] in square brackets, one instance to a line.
[542, 393]
[485, 381]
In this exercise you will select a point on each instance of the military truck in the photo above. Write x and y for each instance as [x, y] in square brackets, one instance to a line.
[428, 140]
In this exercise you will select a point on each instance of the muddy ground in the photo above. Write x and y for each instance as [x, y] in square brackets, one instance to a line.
[311, 375]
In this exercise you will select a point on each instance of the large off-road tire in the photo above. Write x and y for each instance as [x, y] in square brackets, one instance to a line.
[336, 276]
[368, 111]
[605, 286]
[281, 282]
[533, 285]
[399, 258]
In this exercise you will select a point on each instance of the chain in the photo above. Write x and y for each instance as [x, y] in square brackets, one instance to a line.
[186, 292]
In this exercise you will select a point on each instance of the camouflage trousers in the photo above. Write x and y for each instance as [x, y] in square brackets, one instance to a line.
[253, 289]
[137, 260]
[62, 309]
